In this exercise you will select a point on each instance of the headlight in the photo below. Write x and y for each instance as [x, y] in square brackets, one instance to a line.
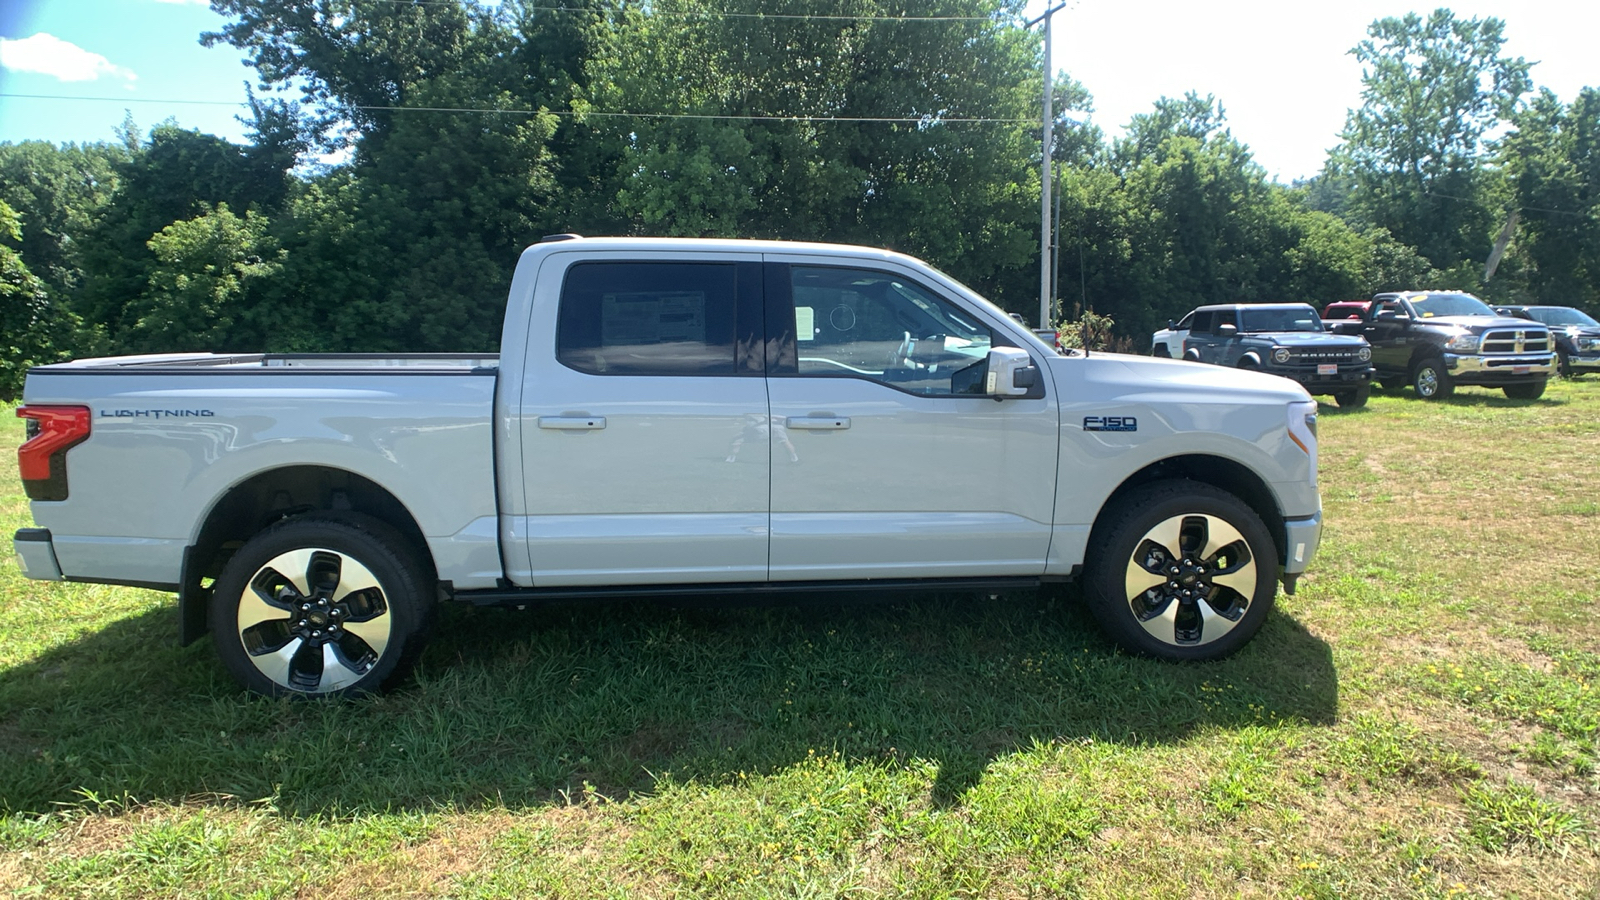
[1303, 431]
[1589, 344]
[1280, 355]
[1463, 343]
[1364, 354]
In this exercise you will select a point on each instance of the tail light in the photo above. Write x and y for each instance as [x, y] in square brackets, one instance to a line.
[52, 431]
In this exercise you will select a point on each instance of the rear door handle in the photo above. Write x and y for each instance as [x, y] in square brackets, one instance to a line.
[818, 423]
[573, 423]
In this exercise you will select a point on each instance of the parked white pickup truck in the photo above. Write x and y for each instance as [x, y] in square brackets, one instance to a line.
[669, 417]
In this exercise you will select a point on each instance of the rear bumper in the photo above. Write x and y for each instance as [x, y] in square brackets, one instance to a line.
[36, 554]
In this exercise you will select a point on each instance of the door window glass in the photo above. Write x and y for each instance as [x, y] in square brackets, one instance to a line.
[879, 326]
[1201, 323]
[646, 318]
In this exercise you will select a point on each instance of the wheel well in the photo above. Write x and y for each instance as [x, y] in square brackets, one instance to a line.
[267, 497]
[1219, 472]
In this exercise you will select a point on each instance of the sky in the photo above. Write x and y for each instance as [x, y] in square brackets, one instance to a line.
[1280, 68]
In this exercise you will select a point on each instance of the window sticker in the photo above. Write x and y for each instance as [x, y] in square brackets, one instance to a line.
[652, 317]
[805, 323]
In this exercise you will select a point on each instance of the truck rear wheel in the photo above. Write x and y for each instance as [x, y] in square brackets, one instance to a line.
[1431, 380]
[321, 606]
[1181, 570]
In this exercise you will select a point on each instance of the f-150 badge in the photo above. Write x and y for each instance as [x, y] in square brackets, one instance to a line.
[1110, 423]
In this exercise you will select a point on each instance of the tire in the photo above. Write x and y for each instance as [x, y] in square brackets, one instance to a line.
[1353, 399]
[1430, 379]
[1191, 355]
[1169, 525]
[322, 605]
[1530, 391]
[1161, 351]
[1564, 365]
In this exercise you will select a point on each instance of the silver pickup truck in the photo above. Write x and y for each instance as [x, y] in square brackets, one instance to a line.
[669, 417]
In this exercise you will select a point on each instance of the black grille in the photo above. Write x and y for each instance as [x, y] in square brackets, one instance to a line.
[1322, 356]
[1517, 340]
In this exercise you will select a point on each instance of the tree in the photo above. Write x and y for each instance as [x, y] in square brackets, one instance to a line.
[1433, 88]
[33, 331]
[1553, 162]
[963, 194]
[204, 268]
[57, 193]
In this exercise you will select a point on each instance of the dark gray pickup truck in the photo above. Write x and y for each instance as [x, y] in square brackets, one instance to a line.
[1284, 339]
[1436, 340]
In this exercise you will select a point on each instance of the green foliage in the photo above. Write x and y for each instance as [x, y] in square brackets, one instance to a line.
[1553, 162]
[199, 284]
[1432, 89]
[1504, 817]
[471, 129]
[33, 330]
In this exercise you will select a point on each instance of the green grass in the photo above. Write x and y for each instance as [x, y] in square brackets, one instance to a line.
[1419, 721]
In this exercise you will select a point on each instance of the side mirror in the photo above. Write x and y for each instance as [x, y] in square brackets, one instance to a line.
[1387, 315]
[1227, 331]
[1171, 324]
[1011, 373]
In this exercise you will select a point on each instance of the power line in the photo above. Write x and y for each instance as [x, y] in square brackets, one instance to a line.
[927, 119]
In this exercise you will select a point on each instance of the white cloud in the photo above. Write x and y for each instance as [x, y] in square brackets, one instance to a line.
[47, 54]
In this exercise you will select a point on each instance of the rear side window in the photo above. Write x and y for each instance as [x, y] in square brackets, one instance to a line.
[647, 318]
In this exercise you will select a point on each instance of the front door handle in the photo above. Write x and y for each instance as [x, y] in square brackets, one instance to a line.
[573, 423]
[818, 423]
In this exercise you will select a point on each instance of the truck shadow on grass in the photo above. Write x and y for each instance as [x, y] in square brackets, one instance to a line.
[526, 708]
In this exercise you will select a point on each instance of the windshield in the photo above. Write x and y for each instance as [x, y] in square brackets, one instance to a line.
[1435, 305]
[1561, 315]
[1280, 318]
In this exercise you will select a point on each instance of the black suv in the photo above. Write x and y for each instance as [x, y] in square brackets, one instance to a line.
[1576, 333]
[1436, 340]
[1286, 339]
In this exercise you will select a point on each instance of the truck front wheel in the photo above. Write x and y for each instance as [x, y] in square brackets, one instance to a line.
[1181, 570]
[1533, 390]
[321, 605]
[1431, 380]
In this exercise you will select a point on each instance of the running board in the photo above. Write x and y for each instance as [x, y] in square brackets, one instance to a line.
[763, 589]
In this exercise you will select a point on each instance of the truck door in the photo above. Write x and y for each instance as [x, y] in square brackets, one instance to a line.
[888, 461]
[1387, 329]
[1198, 339]
[644, 425]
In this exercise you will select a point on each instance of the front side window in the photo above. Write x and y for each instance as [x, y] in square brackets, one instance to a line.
[1201, 324]
[645, 318]
[879, 326]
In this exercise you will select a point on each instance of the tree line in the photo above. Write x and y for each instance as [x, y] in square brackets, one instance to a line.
[465, 132]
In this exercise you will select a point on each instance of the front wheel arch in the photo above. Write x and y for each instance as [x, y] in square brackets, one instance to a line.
[1219, 472]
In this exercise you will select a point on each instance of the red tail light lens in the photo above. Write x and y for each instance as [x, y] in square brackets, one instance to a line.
[52, 431]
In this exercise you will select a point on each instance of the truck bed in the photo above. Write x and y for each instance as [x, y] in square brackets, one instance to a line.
[173, 435]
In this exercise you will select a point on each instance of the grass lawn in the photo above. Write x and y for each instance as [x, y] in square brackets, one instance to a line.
[1421, 720]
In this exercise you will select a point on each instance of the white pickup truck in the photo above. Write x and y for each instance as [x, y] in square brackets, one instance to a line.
[669, 417]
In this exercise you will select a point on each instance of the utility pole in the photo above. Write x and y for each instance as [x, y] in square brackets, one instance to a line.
[1044, 173]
